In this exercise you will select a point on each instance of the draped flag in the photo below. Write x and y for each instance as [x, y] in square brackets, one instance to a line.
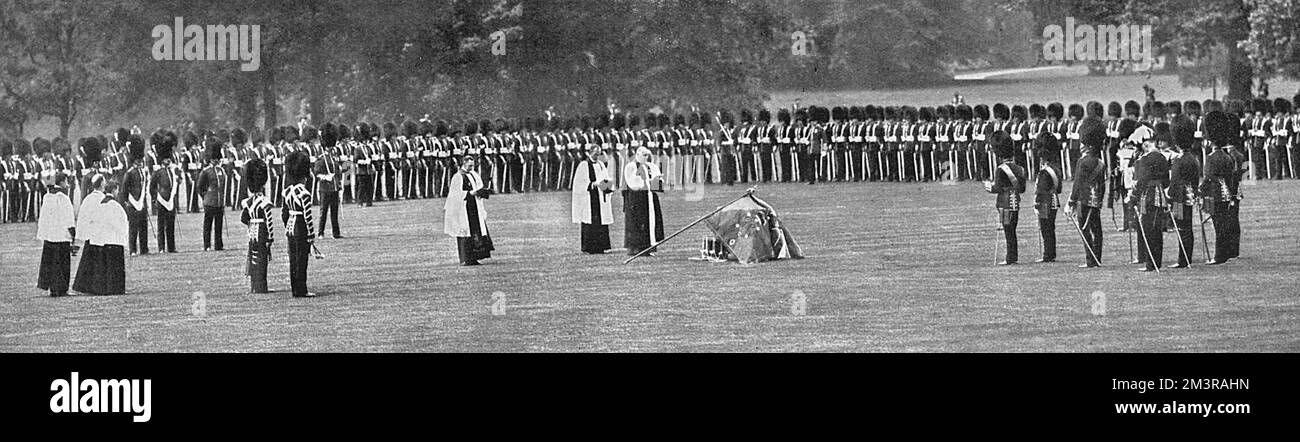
[751, 232]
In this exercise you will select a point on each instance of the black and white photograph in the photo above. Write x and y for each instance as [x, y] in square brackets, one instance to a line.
[652, 176]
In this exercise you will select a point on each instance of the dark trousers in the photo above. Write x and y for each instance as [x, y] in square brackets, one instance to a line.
[1047, 228]
[727, 162]
[259, 255]
[764, 162]
[213, 218]
[1089, 219]
[1151, 239]
[808, 167]
[299, 252]
[1222, 217]
[1234, 230]
[366, 190]
[137, 230]
[1186, 239]
[166, 231]
[747, 166]
[1011, 218]
[329, 211]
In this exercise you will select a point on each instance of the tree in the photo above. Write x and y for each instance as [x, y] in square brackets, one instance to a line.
[1273, 45]
[51, 54]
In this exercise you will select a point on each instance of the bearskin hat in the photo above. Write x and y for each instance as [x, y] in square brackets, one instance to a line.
[1183, 132]
[665, 121]
[679, 120]
[375, 131]
[41, 146]
[255, 173]
[1056, 111]
[290, 134]
[62, 147]
[1018, 112]
[328, 135]
[238, 137]
[389, 130]
[485, 125]
[1046, 146]
[1220, 128]
[471, 127]
[705, 119]
[1094, 109]
[212, 148]
[1295, 102]
[440, 128]
[839, 113]
[1092, 131]
[963, 113]
[426, 128]
[909, 113]
[801, 115]
[1212, 105]
[1235, 107]
[855, 113]
[24, 148]
[157, 140]
[1132, 109]
[764, 116]
[1192, 107]
[134, 148]
[1037, 111]
[651, 121]
[6, 148]
[297, 166]
[981, 111]
[618, 121]
[870, 111]
[1076, 110]
[1281, 106]
[633, 121]
[746, 116]
[1163, 133]
[694, 120]
[1173, 108]
[310, 134]
[925, 114]
[942, 112]
[1001, 144]
[410, 129]
[1114, 110]
[91, 149]
[822, 115]
[1262, 105]
[1001, 111]
[341, 132]
[120, 137]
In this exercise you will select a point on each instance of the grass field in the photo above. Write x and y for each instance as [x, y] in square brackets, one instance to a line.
[1065, 85]
[890, 268]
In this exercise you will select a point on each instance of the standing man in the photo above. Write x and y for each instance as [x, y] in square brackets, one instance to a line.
[256, 214]
[1090, 188]
[1221, 171]
[1008, 183]
[1149, 193]
[164, 191]
[296, 216]
[328, 175]
[212, 190]
[135, 191]
[56, 229]
[1048, 190]
[1184, 174]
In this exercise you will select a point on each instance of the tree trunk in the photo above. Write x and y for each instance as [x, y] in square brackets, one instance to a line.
[1171, 61]
[1240, 74]
[269, 108]
[246, 103]
[64, 124]
[205, 108]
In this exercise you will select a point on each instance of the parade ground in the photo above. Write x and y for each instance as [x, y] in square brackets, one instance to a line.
[890, 268]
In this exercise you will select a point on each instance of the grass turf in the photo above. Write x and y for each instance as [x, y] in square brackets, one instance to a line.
[890, 268]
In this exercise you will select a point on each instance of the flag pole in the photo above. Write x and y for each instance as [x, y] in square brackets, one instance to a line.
[748, 192]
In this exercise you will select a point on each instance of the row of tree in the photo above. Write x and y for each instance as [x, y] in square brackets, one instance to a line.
[88, 64]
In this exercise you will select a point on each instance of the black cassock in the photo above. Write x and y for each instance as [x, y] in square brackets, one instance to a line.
[642, 217]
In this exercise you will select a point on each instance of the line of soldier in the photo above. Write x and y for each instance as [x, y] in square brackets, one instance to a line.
[858, 143]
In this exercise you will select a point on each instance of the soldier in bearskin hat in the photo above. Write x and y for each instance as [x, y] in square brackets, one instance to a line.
[135, 191]
[1185, 173]
[165, 190]
[1008, 183]
[211, 188]
[296, 216]
[1090, 187]
[256, 213]
[1047, 190]
[328, 173]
